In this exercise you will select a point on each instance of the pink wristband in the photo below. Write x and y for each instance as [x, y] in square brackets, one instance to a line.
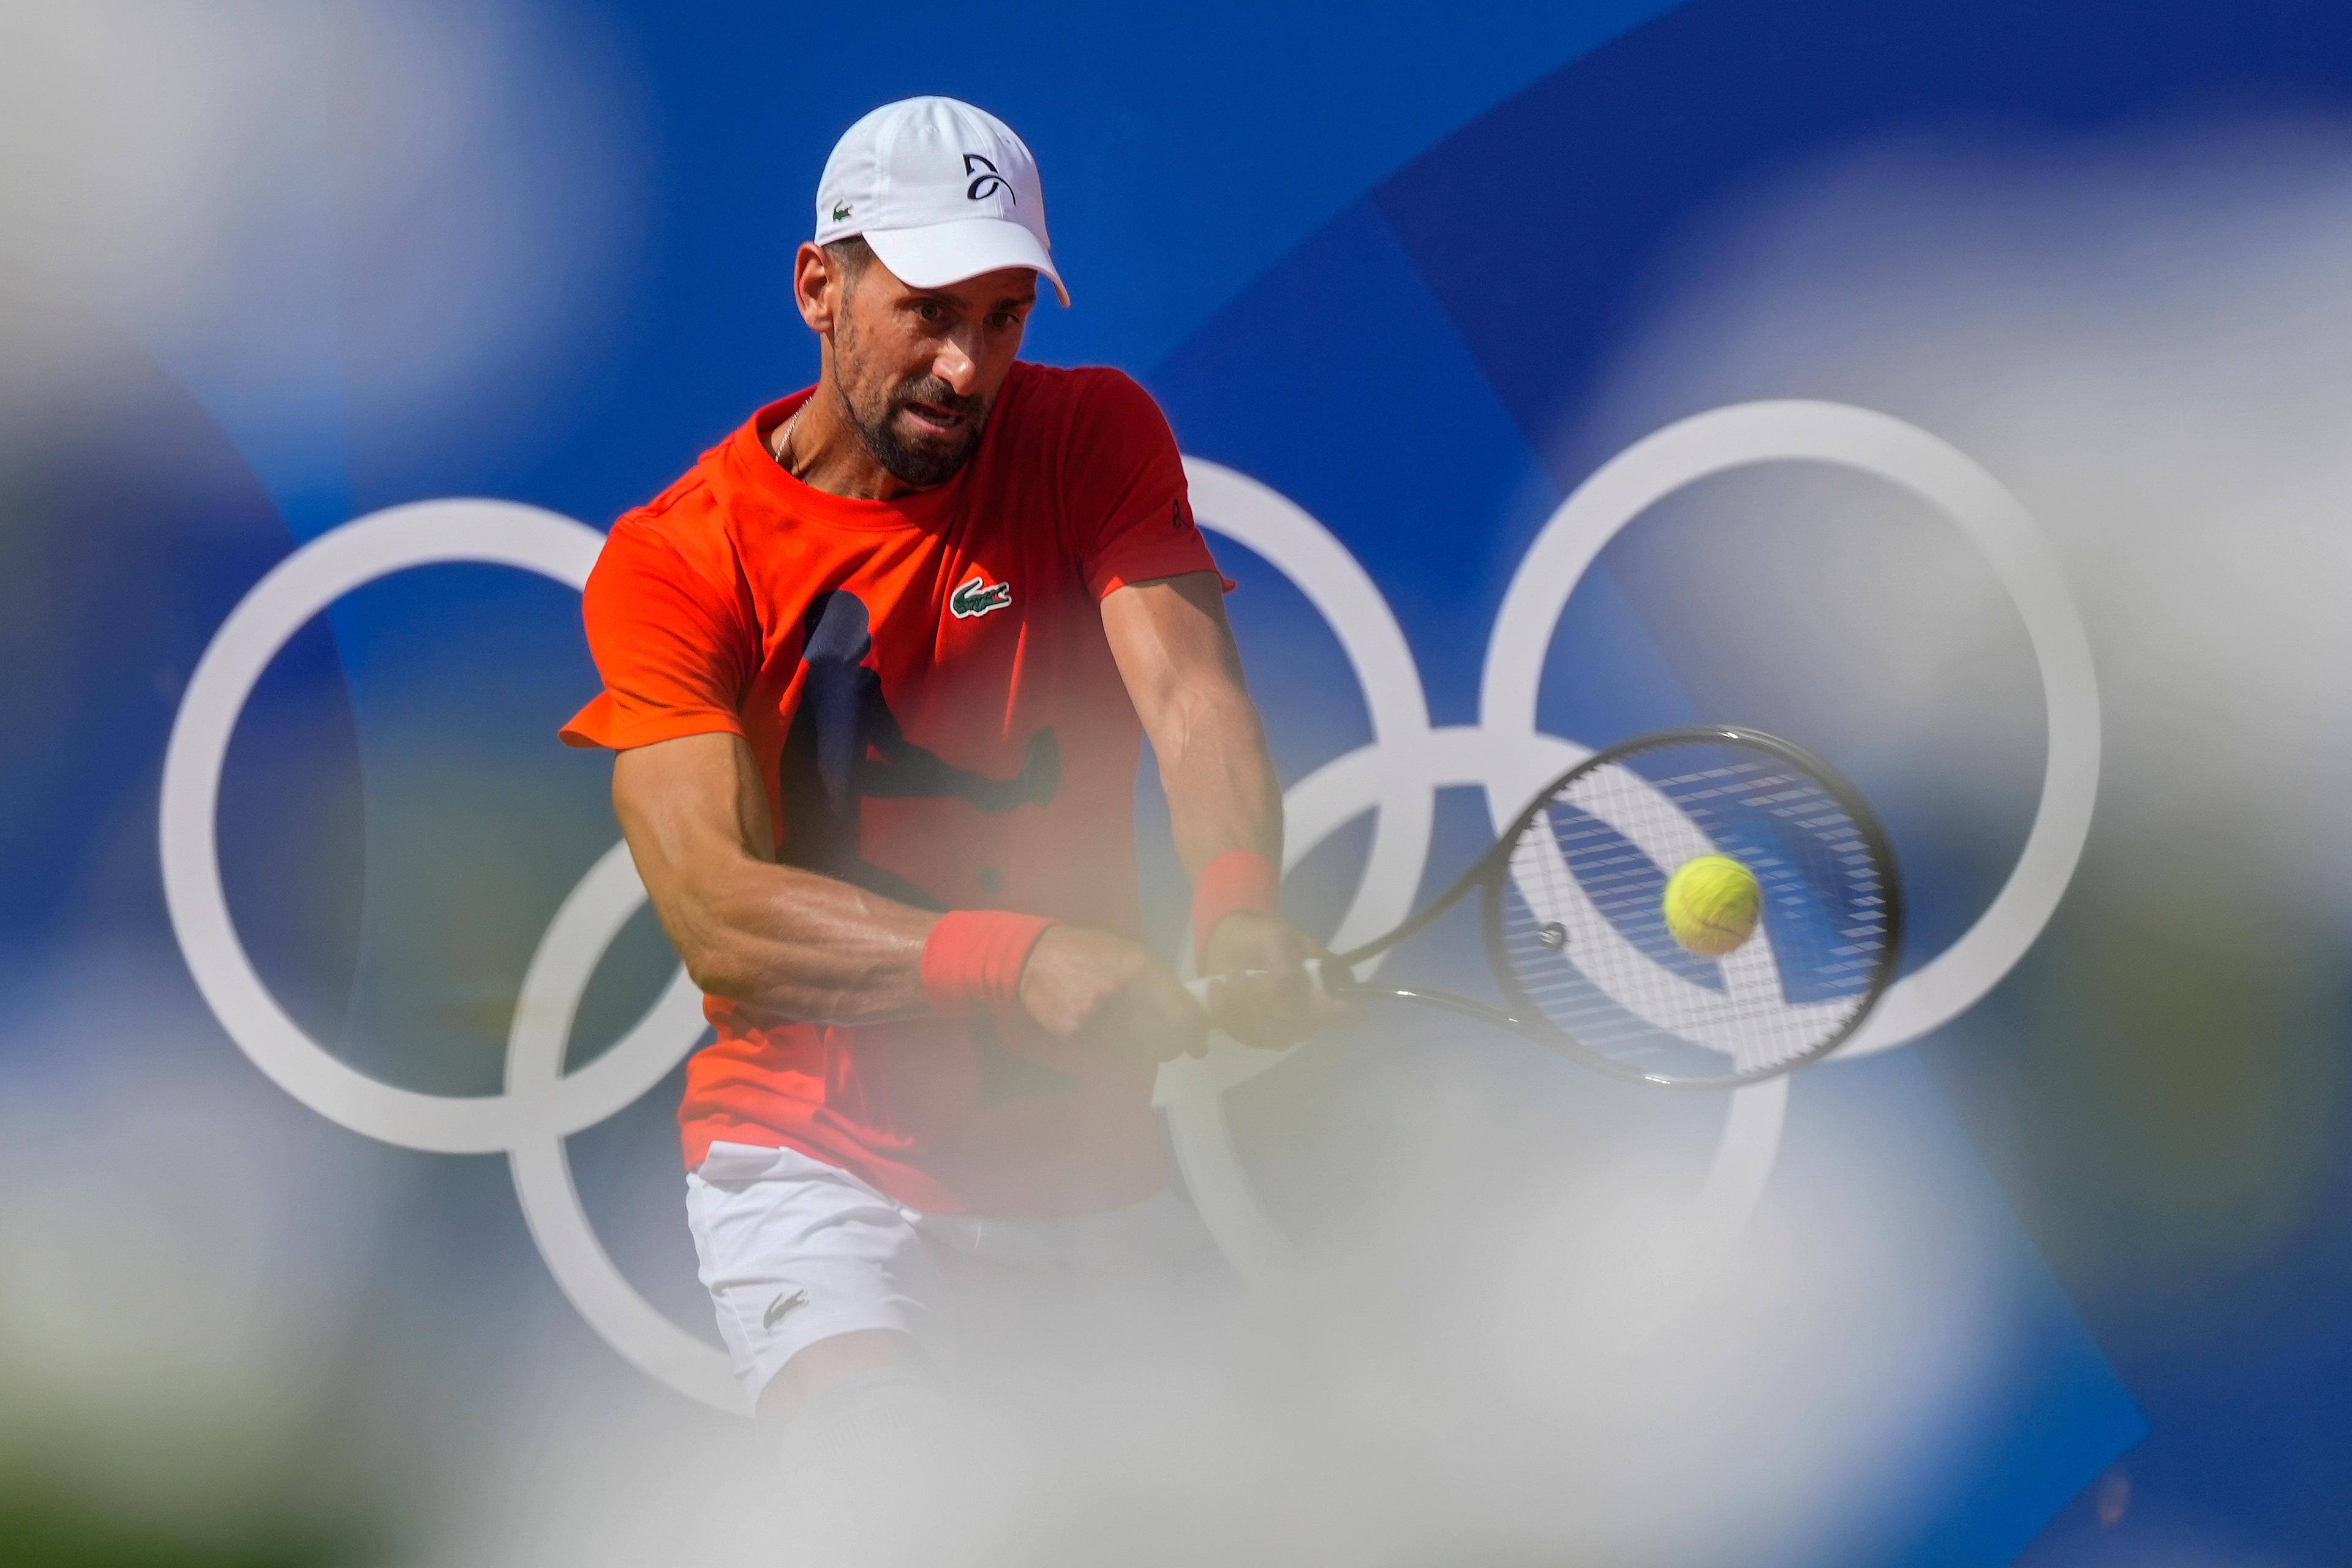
[973, 960]
[1239, 881]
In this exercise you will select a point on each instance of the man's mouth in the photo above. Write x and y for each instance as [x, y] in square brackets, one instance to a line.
[934, 419]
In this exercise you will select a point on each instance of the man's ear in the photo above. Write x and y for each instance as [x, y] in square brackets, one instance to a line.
[816, 289]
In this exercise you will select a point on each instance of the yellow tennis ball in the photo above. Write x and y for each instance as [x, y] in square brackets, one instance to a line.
[1711, 905]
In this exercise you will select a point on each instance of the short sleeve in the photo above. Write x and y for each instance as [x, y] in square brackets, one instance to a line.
[1123, 489]
[675, 650]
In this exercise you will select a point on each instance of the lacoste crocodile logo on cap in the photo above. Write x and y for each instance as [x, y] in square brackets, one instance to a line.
[840, 212]
[978, 596]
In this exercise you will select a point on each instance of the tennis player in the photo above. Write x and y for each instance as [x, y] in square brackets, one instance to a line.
[876, 669]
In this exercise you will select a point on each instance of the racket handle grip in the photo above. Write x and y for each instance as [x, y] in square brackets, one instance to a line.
[1330, 979]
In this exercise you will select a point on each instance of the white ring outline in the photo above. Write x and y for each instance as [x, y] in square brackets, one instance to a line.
[1396, 776]
[298, 588]
[553, 983]
[540, 1104]
[1955, 486]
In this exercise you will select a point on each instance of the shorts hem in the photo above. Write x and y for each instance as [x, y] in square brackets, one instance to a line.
[776, 1350]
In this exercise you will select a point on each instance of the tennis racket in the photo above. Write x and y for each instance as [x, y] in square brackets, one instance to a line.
[1573, 899]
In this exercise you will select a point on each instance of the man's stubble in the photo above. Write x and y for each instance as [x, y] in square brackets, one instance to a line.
[875, 415]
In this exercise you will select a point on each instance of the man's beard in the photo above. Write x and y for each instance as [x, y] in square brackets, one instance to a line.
[928, 463]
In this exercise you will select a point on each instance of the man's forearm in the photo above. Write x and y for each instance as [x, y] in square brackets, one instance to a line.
[1222, 794]
[1177, 656]
[802, 945]
[774, 937]
[1224, 801]
[1226, 806]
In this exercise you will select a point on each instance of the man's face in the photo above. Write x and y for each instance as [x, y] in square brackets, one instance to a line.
[919, 368]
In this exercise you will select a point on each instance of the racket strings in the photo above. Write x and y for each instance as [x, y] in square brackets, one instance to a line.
[1583, 926]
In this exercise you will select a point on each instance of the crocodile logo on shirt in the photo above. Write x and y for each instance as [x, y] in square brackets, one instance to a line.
[978, 596]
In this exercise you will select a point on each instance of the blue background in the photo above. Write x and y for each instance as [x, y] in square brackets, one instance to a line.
[1379, 259]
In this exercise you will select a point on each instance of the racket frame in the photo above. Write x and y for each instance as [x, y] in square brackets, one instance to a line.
[1490, 874]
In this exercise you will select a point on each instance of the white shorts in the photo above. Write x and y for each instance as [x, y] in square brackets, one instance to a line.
[794, 1250]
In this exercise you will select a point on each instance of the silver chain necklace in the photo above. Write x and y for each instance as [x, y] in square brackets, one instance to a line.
[785, 442]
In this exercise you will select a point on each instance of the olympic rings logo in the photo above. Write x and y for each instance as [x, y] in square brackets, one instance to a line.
[1395, 776]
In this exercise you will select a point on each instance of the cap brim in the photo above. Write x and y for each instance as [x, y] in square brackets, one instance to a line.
[945, 253]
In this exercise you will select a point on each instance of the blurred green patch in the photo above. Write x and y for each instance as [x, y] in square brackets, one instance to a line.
[2171, 1085]
[56, 1529]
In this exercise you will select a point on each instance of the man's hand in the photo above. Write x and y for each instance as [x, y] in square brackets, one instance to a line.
[1082, 984]
[1266, 995]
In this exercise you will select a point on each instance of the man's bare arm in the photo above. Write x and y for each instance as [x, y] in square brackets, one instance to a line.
[806, 946]
[778, 938]
[1176, 656]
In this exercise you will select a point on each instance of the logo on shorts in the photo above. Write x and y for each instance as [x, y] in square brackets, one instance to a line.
[987, 182]
[781, 1306]
[978, 596]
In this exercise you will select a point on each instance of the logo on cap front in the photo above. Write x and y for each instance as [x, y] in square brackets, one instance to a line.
[987, 181]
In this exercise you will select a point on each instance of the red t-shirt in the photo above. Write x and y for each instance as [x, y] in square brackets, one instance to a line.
[926, 684]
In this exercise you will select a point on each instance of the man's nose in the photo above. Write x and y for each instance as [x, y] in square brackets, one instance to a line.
[957, 365]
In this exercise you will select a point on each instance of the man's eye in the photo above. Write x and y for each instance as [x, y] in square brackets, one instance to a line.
[928, 310]
[1004, 321]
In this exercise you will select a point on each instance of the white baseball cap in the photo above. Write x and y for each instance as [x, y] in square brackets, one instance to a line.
[941, 190]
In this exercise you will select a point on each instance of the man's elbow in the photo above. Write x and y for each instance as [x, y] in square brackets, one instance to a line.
[765, 980]
[770, 971]
[718, 957]
[715, 968]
